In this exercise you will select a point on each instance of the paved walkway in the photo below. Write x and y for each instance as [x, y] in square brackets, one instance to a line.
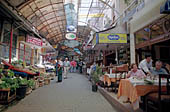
[72, 95]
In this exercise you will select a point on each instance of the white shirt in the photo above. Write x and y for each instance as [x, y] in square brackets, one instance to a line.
[144, 65]
[60, 63]
[66, 63]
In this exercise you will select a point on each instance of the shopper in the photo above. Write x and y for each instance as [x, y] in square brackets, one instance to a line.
[60, 69]
[66, 67]
[73, 65]
[146, 64]
[80, 66]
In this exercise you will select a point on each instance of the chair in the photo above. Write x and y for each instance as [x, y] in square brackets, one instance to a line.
[122, 70]
[121, 76]
[159, 101]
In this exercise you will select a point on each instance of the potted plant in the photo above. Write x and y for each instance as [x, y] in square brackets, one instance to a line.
[21, 91]
[95, 78]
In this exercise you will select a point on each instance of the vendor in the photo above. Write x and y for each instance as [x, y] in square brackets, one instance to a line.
[146, 64]
[158, 69]
[135, 72]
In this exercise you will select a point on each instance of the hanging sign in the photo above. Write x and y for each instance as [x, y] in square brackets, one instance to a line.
[34, 41]
[71, 36]
[111, 38]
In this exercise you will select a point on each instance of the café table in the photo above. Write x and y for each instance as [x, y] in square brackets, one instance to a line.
[109, 78]
[133, 88]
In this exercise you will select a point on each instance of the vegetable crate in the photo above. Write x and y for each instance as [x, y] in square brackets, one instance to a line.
[6, 96]
[46, 81]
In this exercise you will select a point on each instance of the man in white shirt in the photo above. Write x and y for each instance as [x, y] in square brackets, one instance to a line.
[146, 64]
[66, 67]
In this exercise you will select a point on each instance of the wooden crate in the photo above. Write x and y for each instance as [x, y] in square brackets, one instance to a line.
[36, 84]
[6, 96]
[41, 83]
[46, 81]
[29, 90]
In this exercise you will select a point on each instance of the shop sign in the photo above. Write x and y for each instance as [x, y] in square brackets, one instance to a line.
[71, 36]
[34, 41]
[165, 9]
[71, 28]
[111, 38]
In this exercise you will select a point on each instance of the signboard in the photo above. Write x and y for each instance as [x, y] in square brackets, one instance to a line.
[71, 28]
[165, 9]
[71, 36]
[34, 41]
[71, 43]
[111, 38]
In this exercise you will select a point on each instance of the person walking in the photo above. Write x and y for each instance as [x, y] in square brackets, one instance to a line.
[56, 69]
[73, 65]
[80, 66]
[66, 67]
[59, 68]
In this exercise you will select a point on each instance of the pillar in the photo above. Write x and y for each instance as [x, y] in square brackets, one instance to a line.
[132, 48]
[11, 39]
[2, 31]
[32, 57]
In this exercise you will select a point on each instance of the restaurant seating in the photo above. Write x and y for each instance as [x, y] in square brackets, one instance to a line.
[159, 101]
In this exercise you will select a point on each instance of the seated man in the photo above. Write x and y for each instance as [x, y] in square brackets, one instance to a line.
[158, 69]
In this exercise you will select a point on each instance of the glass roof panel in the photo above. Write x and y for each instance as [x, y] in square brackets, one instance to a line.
[45, 15]
[56, 15]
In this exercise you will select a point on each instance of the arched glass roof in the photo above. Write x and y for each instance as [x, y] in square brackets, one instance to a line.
[51, 17]
[47, 16]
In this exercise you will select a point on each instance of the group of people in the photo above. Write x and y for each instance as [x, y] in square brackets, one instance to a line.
[146, 68]
[65, 67]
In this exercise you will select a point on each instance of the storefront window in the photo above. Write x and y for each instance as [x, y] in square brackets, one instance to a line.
[6, 41]
[28, 52]
[142, 35]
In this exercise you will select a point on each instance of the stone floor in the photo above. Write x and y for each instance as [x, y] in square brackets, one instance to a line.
[72, 95]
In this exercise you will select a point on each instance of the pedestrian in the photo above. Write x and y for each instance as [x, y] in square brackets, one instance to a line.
[73, 65]
[56, 69]
[66, 67]
[60, 67]
[80, 66]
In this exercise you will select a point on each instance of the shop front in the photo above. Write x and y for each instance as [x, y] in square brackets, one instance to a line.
[110, 48]
[155, 39]
[31, 50]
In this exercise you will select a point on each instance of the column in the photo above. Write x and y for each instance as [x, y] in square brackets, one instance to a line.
[11, 39]
[2, 31]
[132, 48]
[32, 57]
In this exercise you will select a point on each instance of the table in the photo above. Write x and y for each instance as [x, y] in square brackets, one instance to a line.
[133, 89]
[109, 78]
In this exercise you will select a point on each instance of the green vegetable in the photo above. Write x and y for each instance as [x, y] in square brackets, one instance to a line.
[149, 82]
[31, 83]
[9, 83]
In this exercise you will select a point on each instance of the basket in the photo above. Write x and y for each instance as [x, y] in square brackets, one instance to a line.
[46, 81]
